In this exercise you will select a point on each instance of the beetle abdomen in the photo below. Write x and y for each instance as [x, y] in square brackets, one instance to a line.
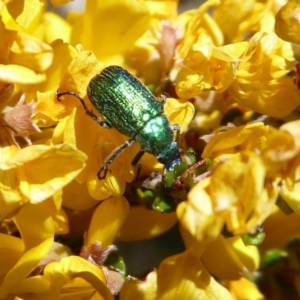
[124, 102]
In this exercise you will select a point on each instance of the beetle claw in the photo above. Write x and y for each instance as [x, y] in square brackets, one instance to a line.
[102, 173]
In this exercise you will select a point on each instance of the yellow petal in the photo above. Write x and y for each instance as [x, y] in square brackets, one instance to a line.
[194, 22]
[37, 234]
[44, 170]
[252, 136]
[230, 24]
[60, 218]
[120, 171]
[53, 27]
[163, 9]
[113, 185]
[35, 285]
[287, 23]
[151, 224]
[179, 112]
[10, 198]
[238, 187]
[142, 290]
[208, 67]
[20, 74]
[199, 217]
[291, 196]
[58, 69]
[240, 178]
[78, 74]
[74, 274]
[278, 236]
[24, 12]
[197, 283]
[262, 80]
[60, 2]
[122, 23]
[103, 189]
[236, 258]
[244, 289]
[30, 52]
[237, 21]
[11, 249]
[47, 110]
[107, 220]
[75, 135]
[192, 241]
[266, 96]
[293, 129]
[77, 197]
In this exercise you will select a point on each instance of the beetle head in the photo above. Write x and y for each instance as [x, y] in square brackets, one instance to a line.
[170, 157]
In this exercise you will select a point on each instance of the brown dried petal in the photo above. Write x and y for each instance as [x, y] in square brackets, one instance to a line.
[114, 280]
[95, 253]
[19, 118]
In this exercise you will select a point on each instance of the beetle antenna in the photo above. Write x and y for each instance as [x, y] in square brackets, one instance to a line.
[59, 94]
[87, 111]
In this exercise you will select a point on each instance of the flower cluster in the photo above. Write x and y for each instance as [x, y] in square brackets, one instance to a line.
[231, 80]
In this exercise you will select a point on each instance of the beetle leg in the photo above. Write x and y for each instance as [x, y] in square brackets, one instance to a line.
[176, 128]
[162, 99]
[137, 158]
[134, 163]
[87, 111]
[104, 169]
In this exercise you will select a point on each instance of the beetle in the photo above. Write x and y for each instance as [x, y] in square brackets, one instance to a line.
[127, 105]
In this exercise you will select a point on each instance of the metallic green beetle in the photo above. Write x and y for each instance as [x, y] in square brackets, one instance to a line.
[127, 105]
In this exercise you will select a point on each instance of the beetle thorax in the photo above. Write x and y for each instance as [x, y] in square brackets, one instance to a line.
[157, 138]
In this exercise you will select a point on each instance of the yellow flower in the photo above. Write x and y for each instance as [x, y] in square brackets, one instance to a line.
[196, 22]
[22, 14]
[236, 20]
[27, 175]
[168, 283]
[236, 195]
[62, 274]
[101, 227]
[91, 277]
[208, 67]
[52, 27]
[198, 217]
[107, 37]
[24, 58]
[244, 289]
[37, 234]
[74, 273]
[221, 63]
[249, 137]
[151, 224]
[287, 22]
[282, 158]
[152, 55]
[237, 259]
[48, 111]
[60, 2]
[278, 236]
[262, 80]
